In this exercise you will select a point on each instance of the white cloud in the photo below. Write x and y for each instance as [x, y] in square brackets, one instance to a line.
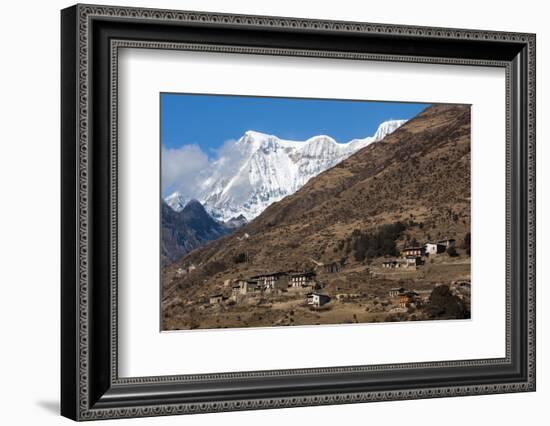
[182, 169]
[228, 158]
[187, 169]
[226, 149]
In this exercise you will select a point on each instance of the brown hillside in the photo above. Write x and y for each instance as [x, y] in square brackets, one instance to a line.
[419, 175]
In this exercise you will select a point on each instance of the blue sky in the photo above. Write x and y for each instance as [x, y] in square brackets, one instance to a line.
[209, 120]
[197, 129]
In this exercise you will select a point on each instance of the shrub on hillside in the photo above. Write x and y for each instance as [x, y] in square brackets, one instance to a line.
[240, 258]
[443, 304]
[451, 251]
[381, 242]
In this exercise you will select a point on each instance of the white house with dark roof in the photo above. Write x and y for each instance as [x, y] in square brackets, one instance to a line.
[317, 299]
[434, 248]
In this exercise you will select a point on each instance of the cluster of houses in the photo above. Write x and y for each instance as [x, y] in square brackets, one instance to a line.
[413, 256]
[278, 281]
[185, 271]
[273, 282]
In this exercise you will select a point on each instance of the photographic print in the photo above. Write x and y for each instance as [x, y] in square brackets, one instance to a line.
[292, 212]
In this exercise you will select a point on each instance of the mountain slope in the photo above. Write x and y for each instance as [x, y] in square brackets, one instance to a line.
[186, 230]
[260, 169]
[419, 175]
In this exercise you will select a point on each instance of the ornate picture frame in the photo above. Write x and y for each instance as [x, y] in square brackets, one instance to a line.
[91, 37]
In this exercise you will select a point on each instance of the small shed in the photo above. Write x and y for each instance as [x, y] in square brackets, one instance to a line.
[216, 299]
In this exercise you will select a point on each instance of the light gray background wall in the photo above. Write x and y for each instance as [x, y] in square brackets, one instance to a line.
[29, 213]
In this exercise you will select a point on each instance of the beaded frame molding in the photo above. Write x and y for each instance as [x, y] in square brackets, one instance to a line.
[91, 38]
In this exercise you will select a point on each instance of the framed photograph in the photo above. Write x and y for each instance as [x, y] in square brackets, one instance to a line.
[275, 232]
[263, 212]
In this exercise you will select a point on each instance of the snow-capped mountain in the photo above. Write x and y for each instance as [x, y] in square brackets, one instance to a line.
[260, 169]
[176, 201]
[236, 222]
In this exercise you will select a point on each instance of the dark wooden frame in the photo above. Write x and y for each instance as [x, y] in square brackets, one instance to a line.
[90, 386]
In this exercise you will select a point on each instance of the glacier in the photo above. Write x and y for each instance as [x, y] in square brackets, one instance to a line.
[260, 169]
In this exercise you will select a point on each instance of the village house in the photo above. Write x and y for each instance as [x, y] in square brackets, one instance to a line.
[407, 298]
[301, 279]
[434, 248]
[413, 251]
[413, 261]
[216, 299]
[275, 281]
[450, 242]
[317, 299]
[249, 286]
[235, 290]
[390, 264]
[332, 268]
[396, 291]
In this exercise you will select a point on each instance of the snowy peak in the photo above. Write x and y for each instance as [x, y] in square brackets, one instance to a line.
[264, 169]
[254, 141]
[176, 201]
[236, 222]
[315, 145]
[252, 135]
[384, 129]
[387, 127]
